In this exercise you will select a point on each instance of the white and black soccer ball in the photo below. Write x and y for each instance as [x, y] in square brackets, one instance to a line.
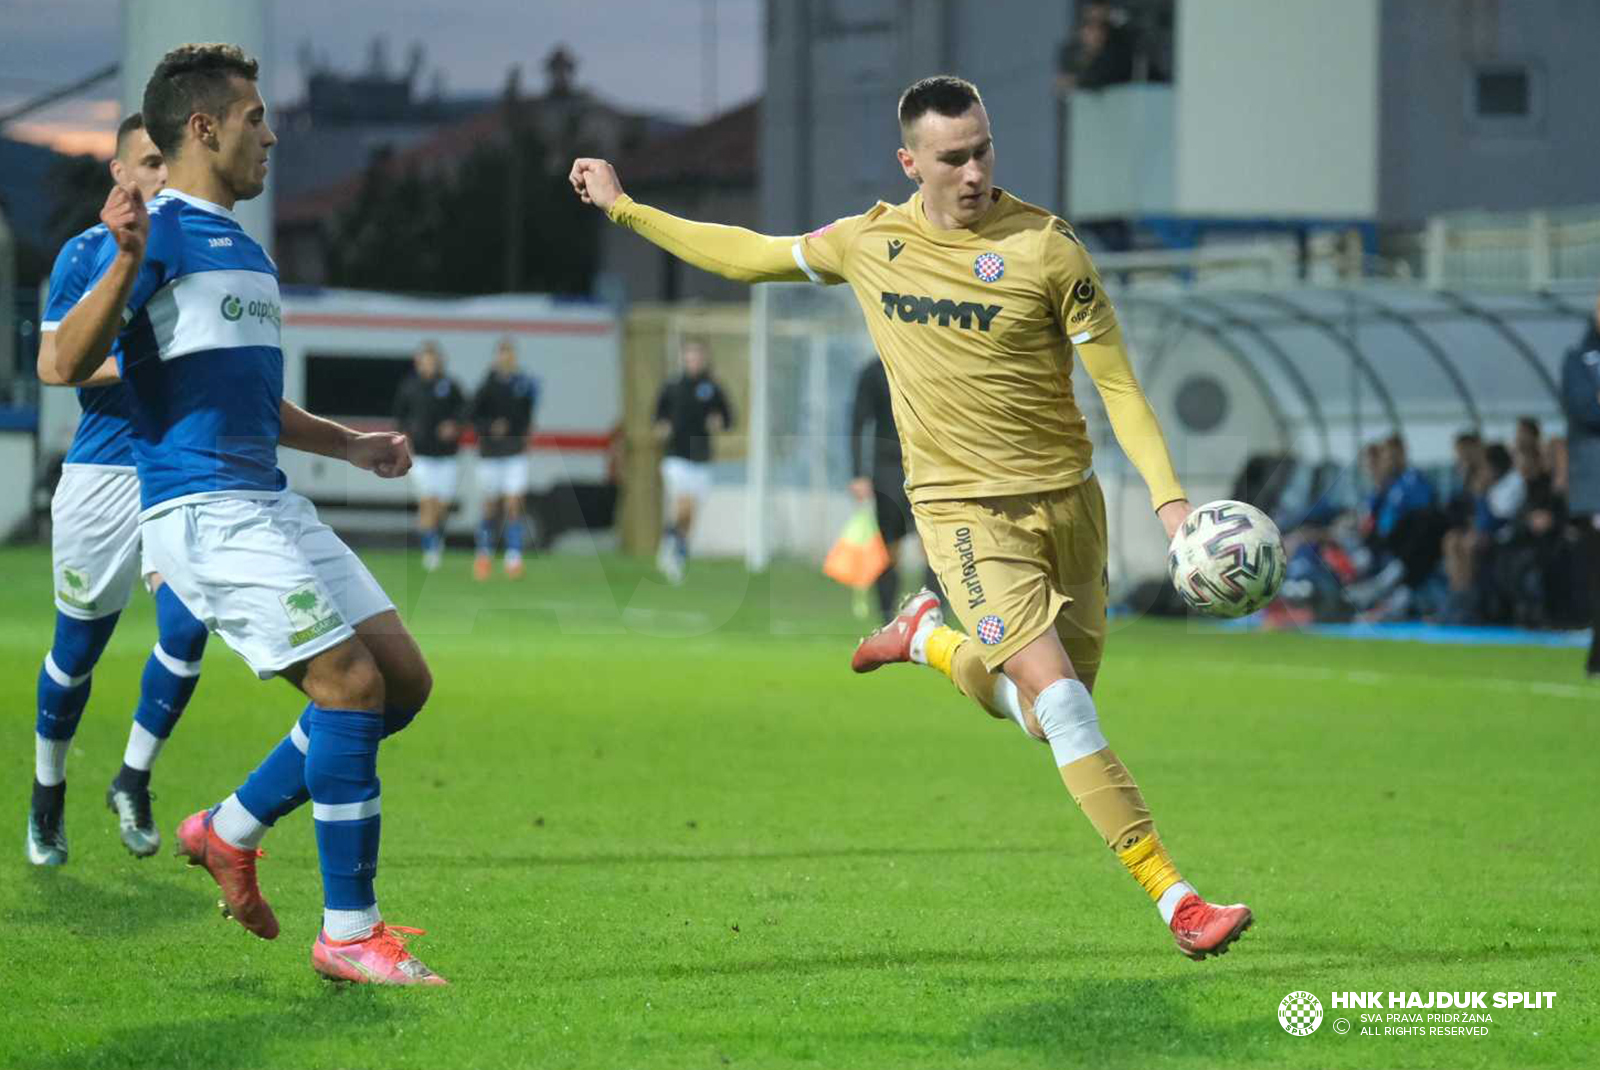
[1227, 559]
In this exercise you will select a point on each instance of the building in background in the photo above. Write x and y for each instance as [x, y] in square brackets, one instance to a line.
[707, 172]
[376, 124]
[1274, 119]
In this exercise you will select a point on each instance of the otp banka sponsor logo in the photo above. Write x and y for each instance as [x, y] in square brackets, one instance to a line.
[260, 311]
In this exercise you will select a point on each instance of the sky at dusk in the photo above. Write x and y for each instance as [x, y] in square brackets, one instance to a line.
[642, 54]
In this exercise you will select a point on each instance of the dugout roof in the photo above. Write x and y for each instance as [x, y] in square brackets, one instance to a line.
[1381, 355]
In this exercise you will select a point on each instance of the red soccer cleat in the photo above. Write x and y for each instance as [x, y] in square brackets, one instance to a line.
[481, 565]
[1203, 928]
[380, 959]
[234, 870]
[892, 642]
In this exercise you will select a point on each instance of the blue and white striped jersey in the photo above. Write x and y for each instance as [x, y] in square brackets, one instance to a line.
[102, 435]
[202, 356]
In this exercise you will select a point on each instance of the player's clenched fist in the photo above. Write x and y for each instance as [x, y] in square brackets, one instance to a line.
[125, 217]
[385, 453]
[595, 182]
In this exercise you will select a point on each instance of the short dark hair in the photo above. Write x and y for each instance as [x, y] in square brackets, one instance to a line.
[944, 94]
[1531, 423]
[191, 79]
[126, 127]
[1498, 458]
[1469, 438]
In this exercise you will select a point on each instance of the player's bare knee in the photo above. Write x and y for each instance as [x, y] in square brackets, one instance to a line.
[345, 678]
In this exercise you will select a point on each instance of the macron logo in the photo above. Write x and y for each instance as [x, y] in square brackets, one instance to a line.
[221, 243]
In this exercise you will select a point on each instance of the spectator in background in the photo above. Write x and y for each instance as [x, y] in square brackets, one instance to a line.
[1404, 531]
[1580, 399]
[502, 415]
[1100, 52]
[1469, 466]
[689, 411]
[1528, 438]
[880, 478]
[1504, 491]
[429, 408]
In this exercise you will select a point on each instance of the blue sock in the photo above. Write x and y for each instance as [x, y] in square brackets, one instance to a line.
[64, 679]
[431, 540]
[514, 532]
[342, 775]
[278, 784]
[173, 670]
[485, 537]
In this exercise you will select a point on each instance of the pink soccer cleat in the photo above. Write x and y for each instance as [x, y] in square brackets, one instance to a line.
[892, 642]
[380, 959]
[234, 870]
[1203, 928]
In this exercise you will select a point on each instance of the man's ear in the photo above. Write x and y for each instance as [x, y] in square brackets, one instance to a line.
[908, 165]
[204, 129]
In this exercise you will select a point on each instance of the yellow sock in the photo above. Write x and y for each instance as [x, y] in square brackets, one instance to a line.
[943, 642]
[1150, 865]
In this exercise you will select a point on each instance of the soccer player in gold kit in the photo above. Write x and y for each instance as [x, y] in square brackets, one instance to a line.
[977, 302]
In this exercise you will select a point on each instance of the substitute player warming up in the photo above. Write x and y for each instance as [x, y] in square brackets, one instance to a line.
[976, 302]
[195, 301]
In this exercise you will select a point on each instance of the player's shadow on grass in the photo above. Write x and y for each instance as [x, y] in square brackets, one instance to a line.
[1123, 1022]
[283, 1034]
[109, 903]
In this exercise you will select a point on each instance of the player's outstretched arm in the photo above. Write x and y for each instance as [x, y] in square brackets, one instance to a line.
[732, 252]
[1105, 358]
[382, 452]
[83, 341]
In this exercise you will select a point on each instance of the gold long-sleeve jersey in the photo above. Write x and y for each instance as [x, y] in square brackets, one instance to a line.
[975, 328]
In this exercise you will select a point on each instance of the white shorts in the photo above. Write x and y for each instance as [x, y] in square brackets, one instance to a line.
[95, 547]
[682, 478]
[434, 477]
[264, 574]
[503, 477]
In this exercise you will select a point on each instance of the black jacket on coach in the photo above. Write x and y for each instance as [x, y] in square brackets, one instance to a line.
[421, 405]
[686, 404]
[512, 399]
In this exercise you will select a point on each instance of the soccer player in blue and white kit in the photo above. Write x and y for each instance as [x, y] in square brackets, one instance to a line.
[95, 550]
[196, 302]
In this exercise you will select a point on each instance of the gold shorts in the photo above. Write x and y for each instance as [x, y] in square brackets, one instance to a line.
[1014, 566]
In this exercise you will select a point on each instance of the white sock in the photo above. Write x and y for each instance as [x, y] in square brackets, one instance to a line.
[347, 925]
[50, 760]
[143, 747]
[1168, 903]
[1066, 713]
[235, 825]
[919, 638]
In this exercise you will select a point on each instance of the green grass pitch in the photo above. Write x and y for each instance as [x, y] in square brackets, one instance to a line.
[652, 827]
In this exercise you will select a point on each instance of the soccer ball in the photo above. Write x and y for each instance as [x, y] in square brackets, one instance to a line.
[1227, 559]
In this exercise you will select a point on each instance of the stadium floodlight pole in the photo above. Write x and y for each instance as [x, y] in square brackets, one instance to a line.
[757, 551]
